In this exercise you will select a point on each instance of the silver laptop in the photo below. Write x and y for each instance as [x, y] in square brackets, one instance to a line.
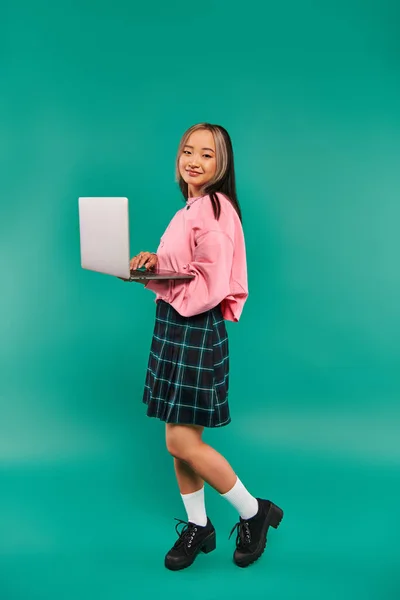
[104, 238]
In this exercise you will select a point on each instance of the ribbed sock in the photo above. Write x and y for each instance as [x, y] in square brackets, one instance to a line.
[242, 500]
[195, 507]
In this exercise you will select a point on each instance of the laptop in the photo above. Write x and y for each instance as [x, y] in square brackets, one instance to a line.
[104, 240]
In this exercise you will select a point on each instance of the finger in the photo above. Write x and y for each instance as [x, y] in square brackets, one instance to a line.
[143, 259]
[135, 262]
[147, 259]
[151, 263]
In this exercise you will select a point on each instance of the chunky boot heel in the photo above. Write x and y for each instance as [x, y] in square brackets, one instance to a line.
[210, 544]
[276, 516]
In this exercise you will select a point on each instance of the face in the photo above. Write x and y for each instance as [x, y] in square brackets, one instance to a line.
[197, 163]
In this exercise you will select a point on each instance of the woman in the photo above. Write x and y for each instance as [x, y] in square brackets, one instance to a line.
[188, 372]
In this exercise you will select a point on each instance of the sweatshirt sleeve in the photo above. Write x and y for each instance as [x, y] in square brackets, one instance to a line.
[211, 266]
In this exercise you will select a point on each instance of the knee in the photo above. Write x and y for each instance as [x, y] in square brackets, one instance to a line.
[180, 443]
[175, 445]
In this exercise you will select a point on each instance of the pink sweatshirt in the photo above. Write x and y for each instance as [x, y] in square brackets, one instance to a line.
[214, 251]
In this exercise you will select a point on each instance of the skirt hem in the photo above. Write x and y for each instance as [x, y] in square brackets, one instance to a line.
[216, 426]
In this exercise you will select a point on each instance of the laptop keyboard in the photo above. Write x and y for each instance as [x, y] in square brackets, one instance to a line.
[136, 272]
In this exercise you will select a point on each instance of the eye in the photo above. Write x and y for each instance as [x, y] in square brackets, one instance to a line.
[208, 155]
[186, 152]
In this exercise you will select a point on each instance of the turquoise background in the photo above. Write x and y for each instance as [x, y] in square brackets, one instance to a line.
[94, 99]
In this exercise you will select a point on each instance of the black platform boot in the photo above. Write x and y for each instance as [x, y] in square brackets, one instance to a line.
[251, 536]
[192, 540]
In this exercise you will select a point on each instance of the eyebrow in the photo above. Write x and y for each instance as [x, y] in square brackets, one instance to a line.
[187, 146]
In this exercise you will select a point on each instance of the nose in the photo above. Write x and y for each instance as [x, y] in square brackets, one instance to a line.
[193, 162]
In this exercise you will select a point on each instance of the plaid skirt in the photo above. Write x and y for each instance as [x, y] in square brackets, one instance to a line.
[187, 377]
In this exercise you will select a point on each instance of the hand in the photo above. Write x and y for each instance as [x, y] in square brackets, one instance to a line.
[144, 259]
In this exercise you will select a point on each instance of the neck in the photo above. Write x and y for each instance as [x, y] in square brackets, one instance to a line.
[193, 192]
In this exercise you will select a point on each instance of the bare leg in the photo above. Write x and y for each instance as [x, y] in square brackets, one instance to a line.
[212, 467]
[184, 442]
[188, 480]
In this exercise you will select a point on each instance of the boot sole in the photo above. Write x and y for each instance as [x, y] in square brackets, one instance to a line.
[209, 544]
[274, 517]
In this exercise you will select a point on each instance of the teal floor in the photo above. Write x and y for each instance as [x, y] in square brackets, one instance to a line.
[95, 529]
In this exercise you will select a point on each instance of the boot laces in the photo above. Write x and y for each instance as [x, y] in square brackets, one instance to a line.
[243, 537]
[186, 535]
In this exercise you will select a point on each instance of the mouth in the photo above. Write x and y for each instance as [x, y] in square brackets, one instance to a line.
[193, 173]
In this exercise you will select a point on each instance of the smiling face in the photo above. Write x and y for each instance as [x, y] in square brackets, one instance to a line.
[197, 163]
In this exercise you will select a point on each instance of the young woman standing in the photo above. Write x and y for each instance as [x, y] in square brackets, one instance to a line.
[187, 378]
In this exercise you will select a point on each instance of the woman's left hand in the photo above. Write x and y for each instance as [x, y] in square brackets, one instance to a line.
[144, 259]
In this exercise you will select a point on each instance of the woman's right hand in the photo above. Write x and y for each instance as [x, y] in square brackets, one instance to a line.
[144, 259]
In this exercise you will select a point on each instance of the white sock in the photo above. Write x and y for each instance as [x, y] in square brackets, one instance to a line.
[195, 507]
[242, 500]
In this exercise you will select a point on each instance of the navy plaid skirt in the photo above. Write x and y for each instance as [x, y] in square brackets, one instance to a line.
[187, 376]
